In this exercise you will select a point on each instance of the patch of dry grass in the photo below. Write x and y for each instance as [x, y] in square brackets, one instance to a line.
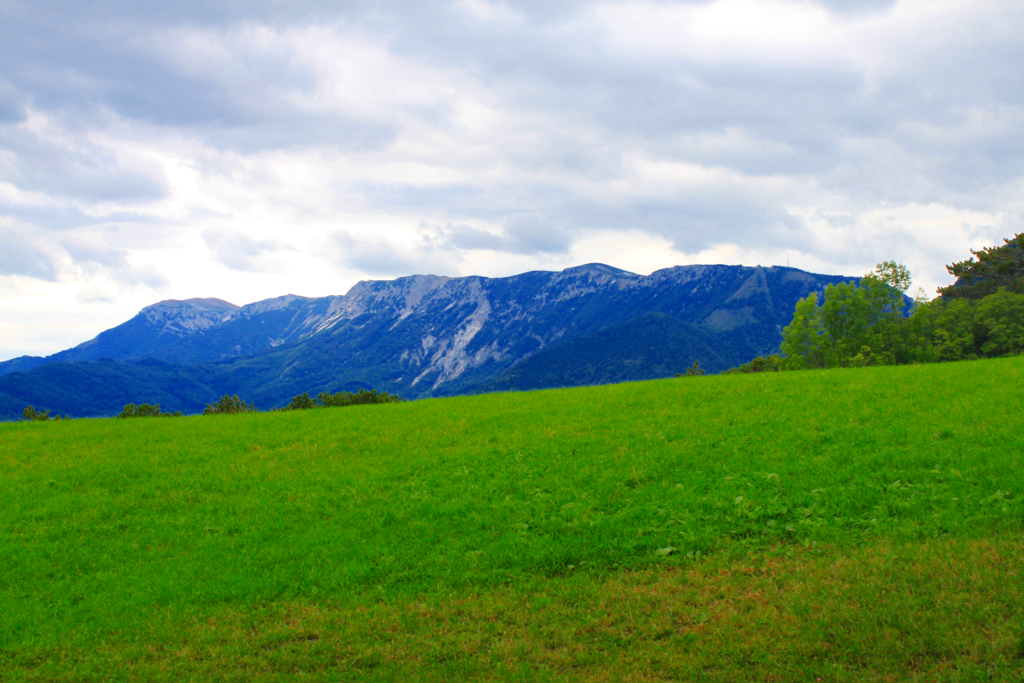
[929, 611]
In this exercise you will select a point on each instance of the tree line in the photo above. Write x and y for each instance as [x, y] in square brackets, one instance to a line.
[230, 405]
[870, 323]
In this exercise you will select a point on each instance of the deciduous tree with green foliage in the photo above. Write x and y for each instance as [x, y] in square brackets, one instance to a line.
[896, 275]
[803, 340]
[864, 323]
[857, 323]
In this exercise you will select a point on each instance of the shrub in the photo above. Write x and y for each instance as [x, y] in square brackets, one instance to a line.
[760, 364]
[692, 371]
[30, 414]
[345, 398]
[146, 410]
[229, 405]
[302, 402]
[341, 399]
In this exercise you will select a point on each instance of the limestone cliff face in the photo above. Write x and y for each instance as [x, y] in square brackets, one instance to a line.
[425, 334]
[456, 325]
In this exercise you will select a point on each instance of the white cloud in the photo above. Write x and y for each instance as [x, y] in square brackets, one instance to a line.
[756, 31]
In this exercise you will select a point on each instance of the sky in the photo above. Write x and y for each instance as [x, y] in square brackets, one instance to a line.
[246, 149]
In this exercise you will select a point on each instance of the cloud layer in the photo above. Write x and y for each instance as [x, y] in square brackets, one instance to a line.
[241, 150]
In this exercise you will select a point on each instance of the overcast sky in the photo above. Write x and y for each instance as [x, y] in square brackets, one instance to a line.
[245, 149]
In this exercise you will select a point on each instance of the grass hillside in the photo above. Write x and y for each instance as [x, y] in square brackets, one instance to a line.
[843, 525]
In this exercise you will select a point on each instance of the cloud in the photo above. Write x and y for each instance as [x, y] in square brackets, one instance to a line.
[96, 295]
[240, 252]
[858, 6]
[522, 234]
[95, 260]
[56, 163]
[467, 237]
[21, 255]
[534, 235]
[380, 256]
[762, 87]
[11, 110]
[483, 133]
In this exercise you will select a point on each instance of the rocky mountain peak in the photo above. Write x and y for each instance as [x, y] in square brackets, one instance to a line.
[274, 304]
[197, 304]
[182, 317]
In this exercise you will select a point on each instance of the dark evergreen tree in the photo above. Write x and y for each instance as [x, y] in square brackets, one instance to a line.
[692, 371]
[145, 410]
[989, 269]
[229, 405]
[30, 414]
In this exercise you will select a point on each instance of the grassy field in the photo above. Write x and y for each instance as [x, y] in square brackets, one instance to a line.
[843, 525]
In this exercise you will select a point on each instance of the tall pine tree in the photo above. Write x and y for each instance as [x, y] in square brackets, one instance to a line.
[990, 269]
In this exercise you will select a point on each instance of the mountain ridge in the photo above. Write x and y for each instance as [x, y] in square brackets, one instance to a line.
[431, 335]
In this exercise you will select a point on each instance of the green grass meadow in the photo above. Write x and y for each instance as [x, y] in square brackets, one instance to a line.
[842, 525]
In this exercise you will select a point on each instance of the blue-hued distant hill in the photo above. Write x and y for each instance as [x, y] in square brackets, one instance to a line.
[422, 336]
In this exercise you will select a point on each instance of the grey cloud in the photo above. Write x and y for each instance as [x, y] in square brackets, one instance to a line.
[375, 258]
[803, 110]
[64, 216]
[282, 132]
[857, 6]
[20, 255]
[99, 259]
[384, 258]
[567, 155]
[88, 252]
[906, 132]
[148, 276]
[418, 198]
[95, 295]
[240, 252]
[531, 234]
[68, 13]
[468, 237]
[11, 109]
[70, 60]
[526, 234]
[700, 218]
[542, 12]
[83, 170]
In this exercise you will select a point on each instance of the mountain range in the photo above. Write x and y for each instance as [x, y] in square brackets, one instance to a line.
[422, 336]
